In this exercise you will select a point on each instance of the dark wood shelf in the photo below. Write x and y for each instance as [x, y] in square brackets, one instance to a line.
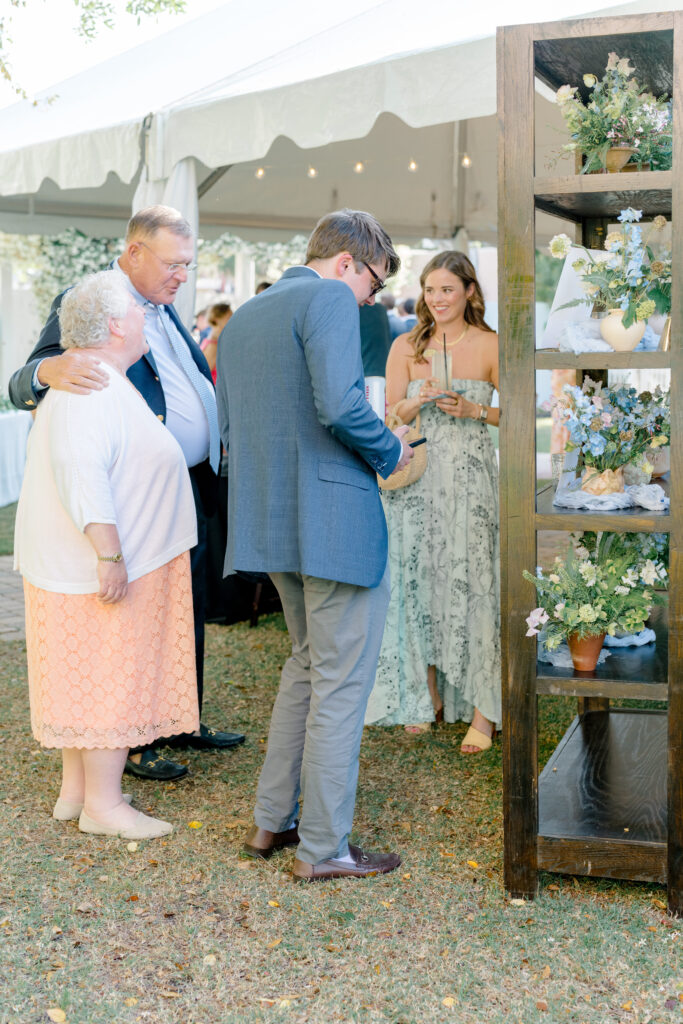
[602, 800]
[553, 359]
[636, 672]
[651, 53]
[576, 196]
[627, 520]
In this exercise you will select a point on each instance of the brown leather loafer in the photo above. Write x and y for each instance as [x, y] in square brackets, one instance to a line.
[262, 844]
[365, 865]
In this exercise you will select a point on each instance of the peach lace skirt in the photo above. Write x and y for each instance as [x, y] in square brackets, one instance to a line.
[118, 675]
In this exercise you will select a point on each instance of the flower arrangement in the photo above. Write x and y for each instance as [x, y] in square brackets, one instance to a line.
[627, 277]
[639, 547]
[619, 113]
[602, 592]
[610, 427]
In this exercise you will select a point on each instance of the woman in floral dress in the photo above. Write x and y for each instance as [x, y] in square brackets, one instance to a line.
[440, 656]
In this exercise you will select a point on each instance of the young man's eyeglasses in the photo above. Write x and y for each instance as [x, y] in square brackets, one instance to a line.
[378, 282]
[171, 267]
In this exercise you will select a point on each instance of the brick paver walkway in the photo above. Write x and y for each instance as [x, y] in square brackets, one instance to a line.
[11, 601]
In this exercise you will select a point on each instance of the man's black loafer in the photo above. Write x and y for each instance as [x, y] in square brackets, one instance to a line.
[208, 739]
[154, 766]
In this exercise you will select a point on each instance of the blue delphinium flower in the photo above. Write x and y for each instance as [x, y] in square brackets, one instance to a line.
[629, 215]
[596, 444]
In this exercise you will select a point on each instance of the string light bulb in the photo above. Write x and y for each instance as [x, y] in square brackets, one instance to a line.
[260, 172]
[359, 167]
[466, 161]
[312, 172]
[412, 166]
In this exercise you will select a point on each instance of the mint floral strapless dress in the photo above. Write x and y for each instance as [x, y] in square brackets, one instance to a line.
[445, 576]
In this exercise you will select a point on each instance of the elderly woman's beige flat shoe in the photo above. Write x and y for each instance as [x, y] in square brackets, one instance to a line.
[144, 828]
[67, 810]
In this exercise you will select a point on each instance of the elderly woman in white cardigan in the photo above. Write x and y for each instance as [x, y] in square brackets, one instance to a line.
[104, 526]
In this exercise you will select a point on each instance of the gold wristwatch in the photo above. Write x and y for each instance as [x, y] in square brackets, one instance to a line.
[118, 557]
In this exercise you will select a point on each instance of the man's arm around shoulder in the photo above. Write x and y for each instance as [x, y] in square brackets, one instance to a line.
[75, 370]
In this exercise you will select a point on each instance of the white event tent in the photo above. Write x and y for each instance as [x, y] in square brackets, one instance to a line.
[381, 82]
[370, 104]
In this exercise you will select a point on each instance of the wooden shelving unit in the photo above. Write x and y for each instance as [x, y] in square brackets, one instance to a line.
[610, 800]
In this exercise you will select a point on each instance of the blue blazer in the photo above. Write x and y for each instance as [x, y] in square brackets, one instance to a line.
[304, 445]
[143, 374]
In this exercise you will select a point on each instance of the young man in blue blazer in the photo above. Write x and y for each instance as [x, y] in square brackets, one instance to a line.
[304, 451]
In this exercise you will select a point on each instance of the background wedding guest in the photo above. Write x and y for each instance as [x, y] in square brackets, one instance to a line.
[406, 312]
[396, 325]
[201, 327]
[375, 339]
[218, 316]
[174, 379]
[440, 656]
[262, 286]
[303, 506]
[104, 525]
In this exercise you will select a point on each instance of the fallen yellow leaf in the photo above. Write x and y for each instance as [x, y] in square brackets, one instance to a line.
[209, 959]
[194, 824]
[628, 1005]
[407, 875]
[448, 1001]
[518, 903]
[132, 847]
[56, 1015]
[130, 1001]
[274, 943]
[660, 904]
[273, 903]
[545, 973]
[473, 863]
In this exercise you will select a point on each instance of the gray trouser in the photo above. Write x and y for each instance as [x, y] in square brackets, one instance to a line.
[317, 725]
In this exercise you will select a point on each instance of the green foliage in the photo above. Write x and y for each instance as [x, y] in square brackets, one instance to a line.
[604, 592]
[619, 113]
[271, 258]
[548, 271]
[638, 546]
[628, 276]
[54, 262]
[94, 15]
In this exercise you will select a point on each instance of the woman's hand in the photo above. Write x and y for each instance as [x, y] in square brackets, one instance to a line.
[456, 405]
[113, 580]
[429, 389]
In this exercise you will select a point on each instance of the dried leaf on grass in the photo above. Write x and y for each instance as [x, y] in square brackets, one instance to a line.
[56, 1015]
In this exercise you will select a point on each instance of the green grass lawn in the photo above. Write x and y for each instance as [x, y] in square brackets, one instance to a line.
[182, 931]
[7, 514]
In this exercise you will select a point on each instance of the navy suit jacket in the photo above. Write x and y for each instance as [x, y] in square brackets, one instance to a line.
[304, 445]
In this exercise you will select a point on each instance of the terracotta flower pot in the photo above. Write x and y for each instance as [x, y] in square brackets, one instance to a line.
[617, 157]
[621, 339]
[585, 651]
[610, 481]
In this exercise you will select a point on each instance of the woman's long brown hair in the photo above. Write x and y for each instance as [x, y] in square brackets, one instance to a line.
[457, 263]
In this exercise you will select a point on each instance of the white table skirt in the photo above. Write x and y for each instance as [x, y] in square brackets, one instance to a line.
[14, 428]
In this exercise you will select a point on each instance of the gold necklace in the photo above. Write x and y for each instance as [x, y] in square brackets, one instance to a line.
[452, 344]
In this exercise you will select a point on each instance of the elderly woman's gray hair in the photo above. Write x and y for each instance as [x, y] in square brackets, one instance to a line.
[86, 309]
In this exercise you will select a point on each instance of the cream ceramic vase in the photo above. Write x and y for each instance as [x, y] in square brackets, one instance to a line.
[620, 338]
[659, 459]
[635, 473]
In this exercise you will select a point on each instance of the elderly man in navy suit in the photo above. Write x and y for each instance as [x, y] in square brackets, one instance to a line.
[304, 451]
[175, 381]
